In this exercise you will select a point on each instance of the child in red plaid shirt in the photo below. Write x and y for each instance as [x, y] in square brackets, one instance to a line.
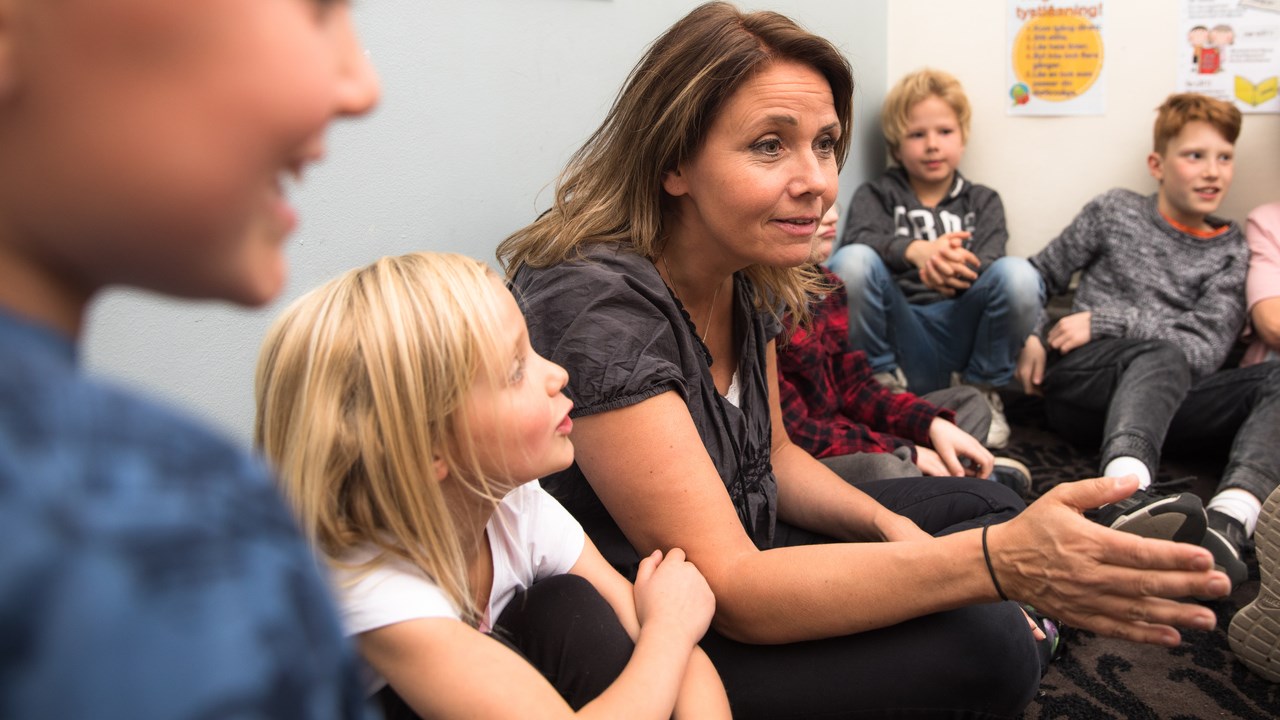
[834, 408]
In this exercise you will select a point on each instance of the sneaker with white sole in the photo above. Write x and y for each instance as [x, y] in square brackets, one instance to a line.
[1180, 517]
[895, 381]
[999, 431]
[998, 434]
[1254, 634]
[1013, 475]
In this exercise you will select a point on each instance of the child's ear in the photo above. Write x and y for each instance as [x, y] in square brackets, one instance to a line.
[439, 468]
[1155, 164]
[673, 182]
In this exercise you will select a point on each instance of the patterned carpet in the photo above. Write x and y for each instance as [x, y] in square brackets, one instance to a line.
[1105, 678]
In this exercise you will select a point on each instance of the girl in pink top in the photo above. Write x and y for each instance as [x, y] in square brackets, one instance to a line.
[1262, 288]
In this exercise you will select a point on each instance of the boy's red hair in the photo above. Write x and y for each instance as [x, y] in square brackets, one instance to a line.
[1180, 109]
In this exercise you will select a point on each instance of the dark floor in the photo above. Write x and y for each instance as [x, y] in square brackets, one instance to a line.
[1105, 678]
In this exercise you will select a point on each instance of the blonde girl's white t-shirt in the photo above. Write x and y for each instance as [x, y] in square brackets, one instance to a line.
[531, 536]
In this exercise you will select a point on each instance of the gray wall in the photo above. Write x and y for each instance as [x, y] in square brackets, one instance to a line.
[483, 101]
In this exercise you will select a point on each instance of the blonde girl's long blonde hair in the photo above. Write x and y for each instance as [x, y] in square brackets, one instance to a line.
[611, 189]
[361, 388]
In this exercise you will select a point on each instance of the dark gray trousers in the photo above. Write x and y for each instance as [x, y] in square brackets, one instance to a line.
[1142, 395]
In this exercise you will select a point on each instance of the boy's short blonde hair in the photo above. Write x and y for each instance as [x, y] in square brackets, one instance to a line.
[911, 90]
[1180, 109]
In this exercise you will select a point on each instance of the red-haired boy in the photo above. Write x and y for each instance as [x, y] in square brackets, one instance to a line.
[1160, 304]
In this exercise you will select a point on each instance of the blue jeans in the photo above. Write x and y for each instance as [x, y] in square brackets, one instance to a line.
[978, 333]
[1143, 396]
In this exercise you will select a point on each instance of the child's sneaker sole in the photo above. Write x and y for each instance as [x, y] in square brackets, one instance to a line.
[1179, 518]
[1255, 630]
[1013, 475]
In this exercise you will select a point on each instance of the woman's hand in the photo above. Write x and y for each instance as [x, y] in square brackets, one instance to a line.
[670, 590]
[1090, 576]
[954, 446]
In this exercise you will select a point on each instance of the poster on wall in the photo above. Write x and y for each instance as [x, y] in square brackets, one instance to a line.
[1056, 53]
[1231, 51]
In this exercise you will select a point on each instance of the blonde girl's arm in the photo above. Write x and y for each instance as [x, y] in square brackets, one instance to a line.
[444, 668]
[671, 587]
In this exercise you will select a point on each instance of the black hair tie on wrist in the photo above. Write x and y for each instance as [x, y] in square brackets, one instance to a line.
[986, 555]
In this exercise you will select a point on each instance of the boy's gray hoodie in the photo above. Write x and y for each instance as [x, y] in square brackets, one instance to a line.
[887, 215]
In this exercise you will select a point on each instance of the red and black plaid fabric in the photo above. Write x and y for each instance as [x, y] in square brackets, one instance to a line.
[831, 404]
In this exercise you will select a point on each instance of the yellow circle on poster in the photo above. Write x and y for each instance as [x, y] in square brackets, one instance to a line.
[1058, 57]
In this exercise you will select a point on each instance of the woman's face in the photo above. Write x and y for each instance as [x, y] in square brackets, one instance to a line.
[756, 190]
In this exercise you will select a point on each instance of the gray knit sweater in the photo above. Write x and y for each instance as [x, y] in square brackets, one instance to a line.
[1144, 278]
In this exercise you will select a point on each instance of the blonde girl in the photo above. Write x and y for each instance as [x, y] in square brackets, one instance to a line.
[407, 415]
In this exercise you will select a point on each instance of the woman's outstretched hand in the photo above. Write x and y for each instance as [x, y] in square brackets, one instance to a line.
[1093, 577]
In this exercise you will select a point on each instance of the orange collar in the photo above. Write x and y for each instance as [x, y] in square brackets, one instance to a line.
[1202, 234]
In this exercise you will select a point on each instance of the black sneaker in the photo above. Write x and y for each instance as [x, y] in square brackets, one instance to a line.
[1255, 630]
[1178, 517]
[1224, 538]
[1051, 646]
[1013, 475]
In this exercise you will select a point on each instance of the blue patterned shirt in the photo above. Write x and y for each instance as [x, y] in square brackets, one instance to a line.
[147, 568]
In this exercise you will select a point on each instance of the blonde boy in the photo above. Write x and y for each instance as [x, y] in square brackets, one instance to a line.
[150, 571]
[1160, 303]
[923, 257]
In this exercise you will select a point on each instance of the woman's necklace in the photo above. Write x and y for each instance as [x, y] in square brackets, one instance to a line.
[706, 322]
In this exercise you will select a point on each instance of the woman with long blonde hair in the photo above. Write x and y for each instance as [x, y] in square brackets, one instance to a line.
[678, 235]
[408, 417]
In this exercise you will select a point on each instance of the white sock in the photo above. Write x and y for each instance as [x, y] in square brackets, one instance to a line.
[1239, 504]
[1126, 465]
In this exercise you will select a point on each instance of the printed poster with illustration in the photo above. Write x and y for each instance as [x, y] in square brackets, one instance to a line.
[1056, 53]
[1231, 50]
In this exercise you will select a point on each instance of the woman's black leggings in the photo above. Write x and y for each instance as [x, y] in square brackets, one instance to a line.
[974, 662]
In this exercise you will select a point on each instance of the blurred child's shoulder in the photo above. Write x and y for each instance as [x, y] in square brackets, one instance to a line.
[60, 427]
[120, 514]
